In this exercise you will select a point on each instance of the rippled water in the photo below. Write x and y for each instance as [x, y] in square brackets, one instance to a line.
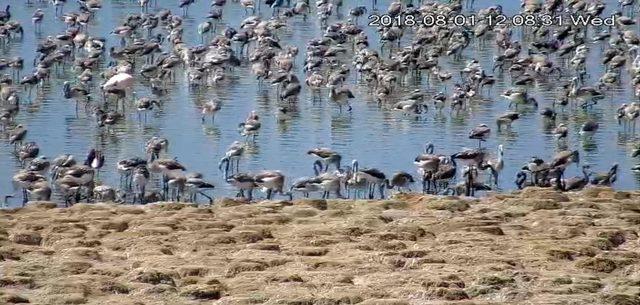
[377, 138]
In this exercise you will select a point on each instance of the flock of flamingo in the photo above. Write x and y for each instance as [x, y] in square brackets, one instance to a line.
[147, 47]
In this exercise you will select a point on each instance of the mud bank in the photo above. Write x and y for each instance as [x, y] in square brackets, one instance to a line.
[532, 247]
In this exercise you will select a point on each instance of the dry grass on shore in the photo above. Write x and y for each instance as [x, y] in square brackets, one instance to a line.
[533, 247]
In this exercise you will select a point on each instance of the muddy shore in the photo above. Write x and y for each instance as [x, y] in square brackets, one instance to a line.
[531, 247]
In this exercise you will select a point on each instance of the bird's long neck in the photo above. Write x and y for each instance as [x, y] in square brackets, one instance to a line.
[520, 180]
[468, 184]
[574, 86]
[317, 166]
[337, 163]
[559, 183]
[6, 200]
[585, 173]
[473, 172]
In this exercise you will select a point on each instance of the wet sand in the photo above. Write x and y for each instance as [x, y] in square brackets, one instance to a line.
[531, 247]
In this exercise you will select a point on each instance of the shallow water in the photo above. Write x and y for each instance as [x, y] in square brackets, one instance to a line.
[377, 138]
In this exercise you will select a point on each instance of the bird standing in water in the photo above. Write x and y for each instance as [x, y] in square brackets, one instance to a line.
[480, 133]
[210, 108]
[95, 160]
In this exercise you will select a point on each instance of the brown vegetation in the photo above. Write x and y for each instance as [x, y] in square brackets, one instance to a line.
[531, 247]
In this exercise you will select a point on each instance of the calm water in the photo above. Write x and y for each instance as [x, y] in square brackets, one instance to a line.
[377, 138]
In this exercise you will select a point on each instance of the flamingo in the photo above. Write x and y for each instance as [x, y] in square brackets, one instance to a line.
[120, 82]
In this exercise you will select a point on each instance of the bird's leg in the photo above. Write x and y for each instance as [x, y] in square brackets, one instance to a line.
[25, 197]
[467, 189]
[142, 191]
[129, 178]
[165, 186]
[208, 197]
[77, 196]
